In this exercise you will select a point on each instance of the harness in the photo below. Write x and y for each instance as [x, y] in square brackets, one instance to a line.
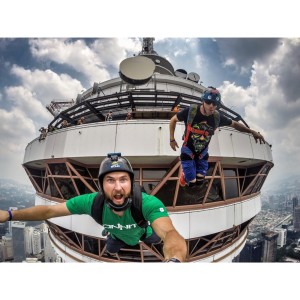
[192, 113]
[136, 207]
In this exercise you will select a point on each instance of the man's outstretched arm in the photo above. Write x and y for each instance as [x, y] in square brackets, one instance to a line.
[35, 213]
[242, 128]
[174, 243]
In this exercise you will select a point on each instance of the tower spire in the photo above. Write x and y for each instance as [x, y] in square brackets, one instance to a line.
[148, 46]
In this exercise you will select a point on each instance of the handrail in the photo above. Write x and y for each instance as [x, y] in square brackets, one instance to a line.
[94, 109]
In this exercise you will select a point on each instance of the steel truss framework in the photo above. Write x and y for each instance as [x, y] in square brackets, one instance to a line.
[198, 248]
[62, 179]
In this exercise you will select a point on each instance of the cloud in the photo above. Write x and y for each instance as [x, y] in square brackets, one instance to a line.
[37, 89]
[285, 63]
[26, 113]
[25, 100]
[47, 85]
[235, 97]
[271, 103]
[75, 54]
[113, 51]
[242, 52]
[16, 131]
[183, 53]
[93, 61]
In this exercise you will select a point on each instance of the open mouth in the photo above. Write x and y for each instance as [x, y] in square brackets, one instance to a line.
[118, 198]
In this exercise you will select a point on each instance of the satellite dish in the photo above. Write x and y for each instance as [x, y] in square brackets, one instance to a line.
[181, 73]
[193, 77]
[137, 70]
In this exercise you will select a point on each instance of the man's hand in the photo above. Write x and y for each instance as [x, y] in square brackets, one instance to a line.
[242, 128]
[174, 144]
[174, 244]
[258, 136]
[4, 216]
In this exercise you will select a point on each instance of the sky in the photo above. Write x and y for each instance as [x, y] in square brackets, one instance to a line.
[250, 54]
[257, 77]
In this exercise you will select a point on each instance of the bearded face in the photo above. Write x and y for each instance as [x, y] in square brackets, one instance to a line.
[117, 187]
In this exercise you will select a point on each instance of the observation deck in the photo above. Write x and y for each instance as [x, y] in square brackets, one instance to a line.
[213, 219]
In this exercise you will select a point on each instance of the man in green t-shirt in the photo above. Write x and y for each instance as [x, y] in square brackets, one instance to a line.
[116, 178]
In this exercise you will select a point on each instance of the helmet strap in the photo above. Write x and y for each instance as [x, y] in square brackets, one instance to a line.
[204, 109]
[127, 203]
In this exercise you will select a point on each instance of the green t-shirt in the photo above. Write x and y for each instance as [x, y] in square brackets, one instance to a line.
[125, 227]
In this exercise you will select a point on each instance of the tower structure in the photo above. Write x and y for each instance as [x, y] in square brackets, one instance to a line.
[213, 219]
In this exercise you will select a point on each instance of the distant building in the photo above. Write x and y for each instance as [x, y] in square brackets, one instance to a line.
[2, 229]
[295, 202]
[50, 254]
[6, 249]
[282, 234]
[297, 218]
[44, 234]
[252, 252]
[28, 230]
[9, 223]
[36, 242]
[31, 260]
[270, 246]
[18, 240]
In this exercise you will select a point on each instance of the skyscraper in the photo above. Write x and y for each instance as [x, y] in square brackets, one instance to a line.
[2, 229]
[36, 242]
[270, 246]
[252, 251]
[44, 234]
[18, 240]
[297, 218]
[6, 249]
[28, 230]
[295, 202]
[282, 233]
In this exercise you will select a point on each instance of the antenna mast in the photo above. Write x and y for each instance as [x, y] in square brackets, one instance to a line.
[148, 46]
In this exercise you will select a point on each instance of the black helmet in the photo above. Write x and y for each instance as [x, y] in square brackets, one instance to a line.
[213, 95]
[116, 163]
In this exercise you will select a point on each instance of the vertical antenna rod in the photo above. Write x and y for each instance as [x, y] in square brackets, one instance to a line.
[148, 46]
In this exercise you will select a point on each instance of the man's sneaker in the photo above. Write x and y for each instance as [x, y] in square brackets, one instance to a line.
[200, 182]
[110, 254]
[182, 180]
